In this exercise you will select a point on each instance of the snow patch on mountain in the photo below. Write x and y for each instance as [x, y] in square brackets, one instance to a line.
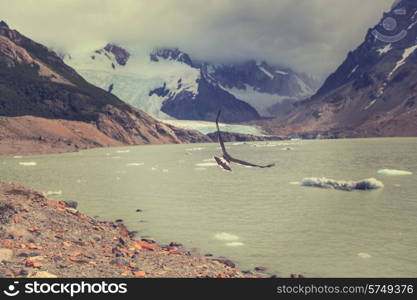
[387, 48]
[407, 52]
[353, 70]
[266, 72]
[281, 72]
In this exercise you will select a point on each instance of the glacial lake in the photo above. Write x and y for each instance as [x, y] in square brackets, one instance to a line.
[257, 217]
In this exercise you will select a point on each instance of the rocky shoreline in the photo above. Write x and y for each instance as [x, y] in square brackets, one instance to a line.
[39, 143]
[44, 238]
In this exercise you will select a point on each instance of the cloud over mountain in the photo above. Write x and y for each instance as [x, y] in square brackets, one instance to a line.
[308, 35]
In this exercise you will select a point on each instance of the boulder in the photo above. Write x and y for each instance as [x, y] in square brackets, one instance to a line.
[226, 262]
[261, 269]
[71, 204]
[149, 240]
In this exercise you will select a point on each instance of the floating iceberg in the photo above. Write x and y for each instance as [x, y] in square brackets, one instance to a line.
[364, 255]
[392, 172]
[195, 149]
[224, 236]
[53, 193]
[234, 244]
[28, 163]
[134, 164]
[206, 164]
[326, 183]
[122, 151]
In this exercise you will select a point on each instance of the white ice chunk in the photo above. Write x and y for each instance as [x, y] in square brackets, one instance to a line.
[53, 193]
[206, 164]
[392, 172]
[327, 183]
[234, 244]
[364, 255]
[122, 151]
[224, 236]
[134, 164]
[28, 163]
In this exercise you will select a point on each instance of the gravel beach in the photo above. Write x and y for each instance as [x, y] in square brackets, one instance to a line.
[44, 238]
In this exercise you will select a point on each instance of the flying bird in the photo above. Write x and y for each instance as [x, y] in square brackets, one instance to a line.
[226, 159]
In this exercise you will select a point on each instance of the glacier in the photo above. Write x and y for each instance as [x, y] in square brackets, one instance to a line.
[134, 81]
[209, 127]
[148, 78]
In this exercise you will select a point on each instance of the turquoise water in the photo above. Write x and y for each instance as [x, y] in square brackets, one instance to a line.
[258, 217]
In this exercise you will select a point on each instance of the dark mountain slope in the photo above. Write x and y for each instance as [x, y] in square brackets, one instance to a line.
[206, 103]
[35, 81]
[374, 91]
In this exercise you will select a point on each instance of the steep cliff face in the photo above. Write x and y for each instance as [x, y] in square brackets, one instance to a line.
[374, 91]
[269, 89]
[34, 81]
[206, 102]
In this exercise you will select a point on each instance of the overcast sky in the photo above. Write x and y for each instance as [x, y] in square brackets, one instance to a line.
[313, 36]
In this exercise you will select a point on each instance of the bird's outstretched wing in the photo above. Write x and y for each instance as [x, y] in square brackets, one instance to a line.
[245, 163]
[220, 135]
[227, 155]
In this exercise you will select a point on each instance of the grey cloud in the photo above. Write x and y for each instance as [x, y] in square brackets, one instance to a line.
[309, 35]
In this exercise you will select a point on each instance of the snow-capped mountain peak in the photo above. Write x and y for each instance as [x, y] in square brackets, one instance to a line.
[263, 86]
[170, 54]
[118, 53]
[167, 83]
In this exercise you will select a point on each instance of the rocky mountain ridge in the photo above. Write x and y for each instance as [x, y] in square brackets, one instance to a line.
[168, 83]
[34, 81]
[374, 91]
